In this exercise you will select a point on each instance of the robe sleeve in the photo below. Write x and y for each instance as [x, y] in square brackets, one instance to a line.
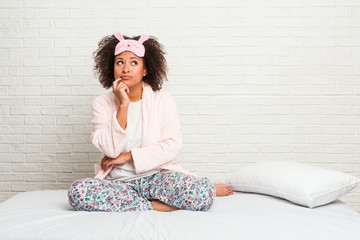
[107, 134]
[169, 145]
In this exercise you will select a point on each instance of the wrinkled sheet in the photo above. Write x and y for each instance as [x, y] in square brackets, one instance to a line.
[247, 216]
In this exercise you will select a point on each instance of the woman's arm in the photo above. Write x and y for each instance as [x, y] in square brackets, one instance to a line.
[107, 136]
[168, 147]
[123, 158]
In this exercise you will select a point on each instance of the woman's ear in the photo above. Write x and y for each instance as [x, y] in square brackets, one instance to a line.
[144, 72]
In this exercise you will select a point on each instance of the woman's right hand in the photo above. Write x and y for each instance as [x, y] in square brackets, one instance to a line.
[106, 162]
[123, 158]
[121, 91]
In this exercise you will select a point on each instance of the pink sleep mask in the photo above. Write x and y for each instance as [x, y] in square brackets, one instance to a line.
[133, 46]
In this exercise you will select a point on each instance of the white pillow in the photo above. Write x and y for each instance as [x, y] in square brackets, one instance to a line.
[299, 183]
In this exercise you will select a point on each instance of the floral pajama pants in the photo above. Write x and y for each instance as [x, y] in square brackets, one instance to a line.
[173, 188]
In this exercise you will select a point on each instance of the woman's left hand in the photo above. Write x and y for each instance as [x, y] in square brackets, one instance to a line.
[123, 158]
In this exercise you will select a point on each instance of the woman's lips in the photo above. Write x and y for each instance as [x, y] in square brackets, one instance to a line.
[125, 77]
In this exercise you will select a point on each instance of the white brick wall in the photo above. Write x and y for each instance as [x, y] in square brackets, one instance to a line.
[254, 80]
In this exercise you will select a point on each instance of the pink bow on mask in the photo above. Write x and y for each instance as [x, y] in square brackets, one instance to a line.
[133, 46]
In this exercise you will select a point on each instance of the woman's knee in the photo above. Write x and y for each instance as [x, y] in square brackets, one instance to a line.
[78, 191]
[184, 191]
[209, 193]
[200, 195]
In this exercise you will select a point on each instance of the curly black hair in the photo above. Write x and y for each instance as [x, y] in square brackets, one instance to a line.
[154, 61]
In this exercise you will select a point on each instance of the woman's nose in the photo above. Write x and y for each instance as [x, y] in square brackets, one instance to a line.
[125, 69]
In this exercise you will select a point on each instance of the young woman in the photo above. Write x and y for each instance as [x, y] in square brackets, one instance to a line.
[136, 127]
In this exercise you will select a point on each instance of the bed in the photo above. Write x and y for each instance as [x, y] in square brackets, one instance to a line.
[248, 216]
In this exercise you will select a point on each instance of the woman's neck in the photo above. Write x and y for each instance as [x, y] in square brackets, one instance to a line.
[135, 93]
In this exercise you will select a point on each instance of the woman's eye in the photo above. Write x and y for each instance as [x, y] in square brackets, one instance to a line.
[120, 63]
[134, 63]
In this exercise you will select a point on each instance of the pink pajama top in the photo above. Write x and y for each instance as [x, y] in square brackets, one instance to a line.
[161, 139]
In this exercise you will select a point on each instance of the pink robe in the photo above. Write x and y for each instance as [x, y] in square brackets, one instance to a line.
[161, 140]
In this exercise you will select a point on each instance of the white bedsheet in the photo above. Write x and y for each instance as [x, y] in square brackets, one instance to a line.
[245, 216]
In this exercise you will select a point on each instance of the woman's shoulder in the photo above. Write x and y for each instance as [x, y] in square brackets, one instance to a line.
[157, 95]
[104, 99]
[163, 98]
[163, 95]
[165, 101]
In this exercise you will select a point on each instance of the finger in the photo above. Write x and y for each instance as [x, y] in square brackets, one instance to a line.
[107, 165]
[124, 87]
[102, 166]
[116, 82]
[127, 90]
[121, 85]
[103, 161]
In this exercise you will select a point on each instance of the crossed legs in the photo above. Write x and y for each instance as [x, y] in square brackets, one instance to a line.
[163, 191]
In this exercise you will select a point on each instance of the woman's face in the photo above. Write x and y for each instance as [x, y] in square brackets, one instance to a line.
[130, 68]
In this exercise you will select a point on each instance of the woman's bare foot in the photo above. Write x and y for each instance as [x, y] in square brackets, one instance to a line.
[223, 190]
[162, 207]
